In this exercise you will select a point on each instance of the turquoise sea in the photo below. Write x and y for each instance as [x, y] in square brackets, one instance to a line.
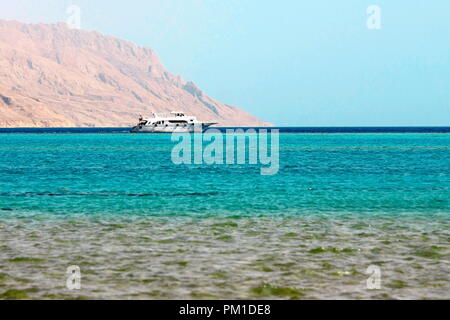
[139, 226]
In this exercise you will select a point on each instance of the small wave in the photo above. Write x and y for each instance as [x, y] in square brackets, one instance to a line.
[105, 194]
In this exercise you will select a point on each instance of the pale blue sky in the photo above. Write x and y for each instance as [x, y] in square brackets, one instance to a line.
[290, 62]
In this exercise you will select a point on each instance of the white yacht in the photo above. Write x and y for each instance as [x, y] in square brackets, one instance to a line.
[176, 121]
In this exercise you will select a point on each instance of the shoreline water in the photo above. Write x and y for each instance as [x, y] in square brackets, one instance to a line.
[247, 258]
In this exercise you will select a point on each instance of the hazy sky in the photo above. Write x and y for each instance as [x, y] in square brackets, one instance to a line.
[290, 62]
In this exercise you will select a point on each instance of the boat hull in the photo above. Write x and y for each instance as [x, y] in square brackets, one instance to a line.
[170, 129]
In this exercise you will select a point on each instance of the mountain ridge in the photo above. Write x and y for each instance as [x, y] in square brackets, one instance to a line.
[53, 76]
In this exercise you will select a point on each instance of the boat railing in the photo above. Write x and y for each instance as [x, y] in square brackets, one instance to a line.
[163, 115]
[168, 115]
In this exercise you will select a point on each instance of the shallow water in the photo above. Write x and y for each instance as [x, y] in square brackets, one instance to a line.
[141, 227]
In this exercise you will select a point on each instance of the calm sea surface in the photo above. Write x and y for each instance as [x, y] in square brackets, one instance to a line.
[139, 226]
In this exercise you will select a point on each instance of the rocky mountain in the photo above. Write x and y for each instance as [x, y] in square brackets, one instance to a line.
[53, 76]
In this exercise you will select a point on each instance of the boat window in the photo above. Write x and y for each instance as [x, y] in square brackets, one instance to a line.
[177, 121]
